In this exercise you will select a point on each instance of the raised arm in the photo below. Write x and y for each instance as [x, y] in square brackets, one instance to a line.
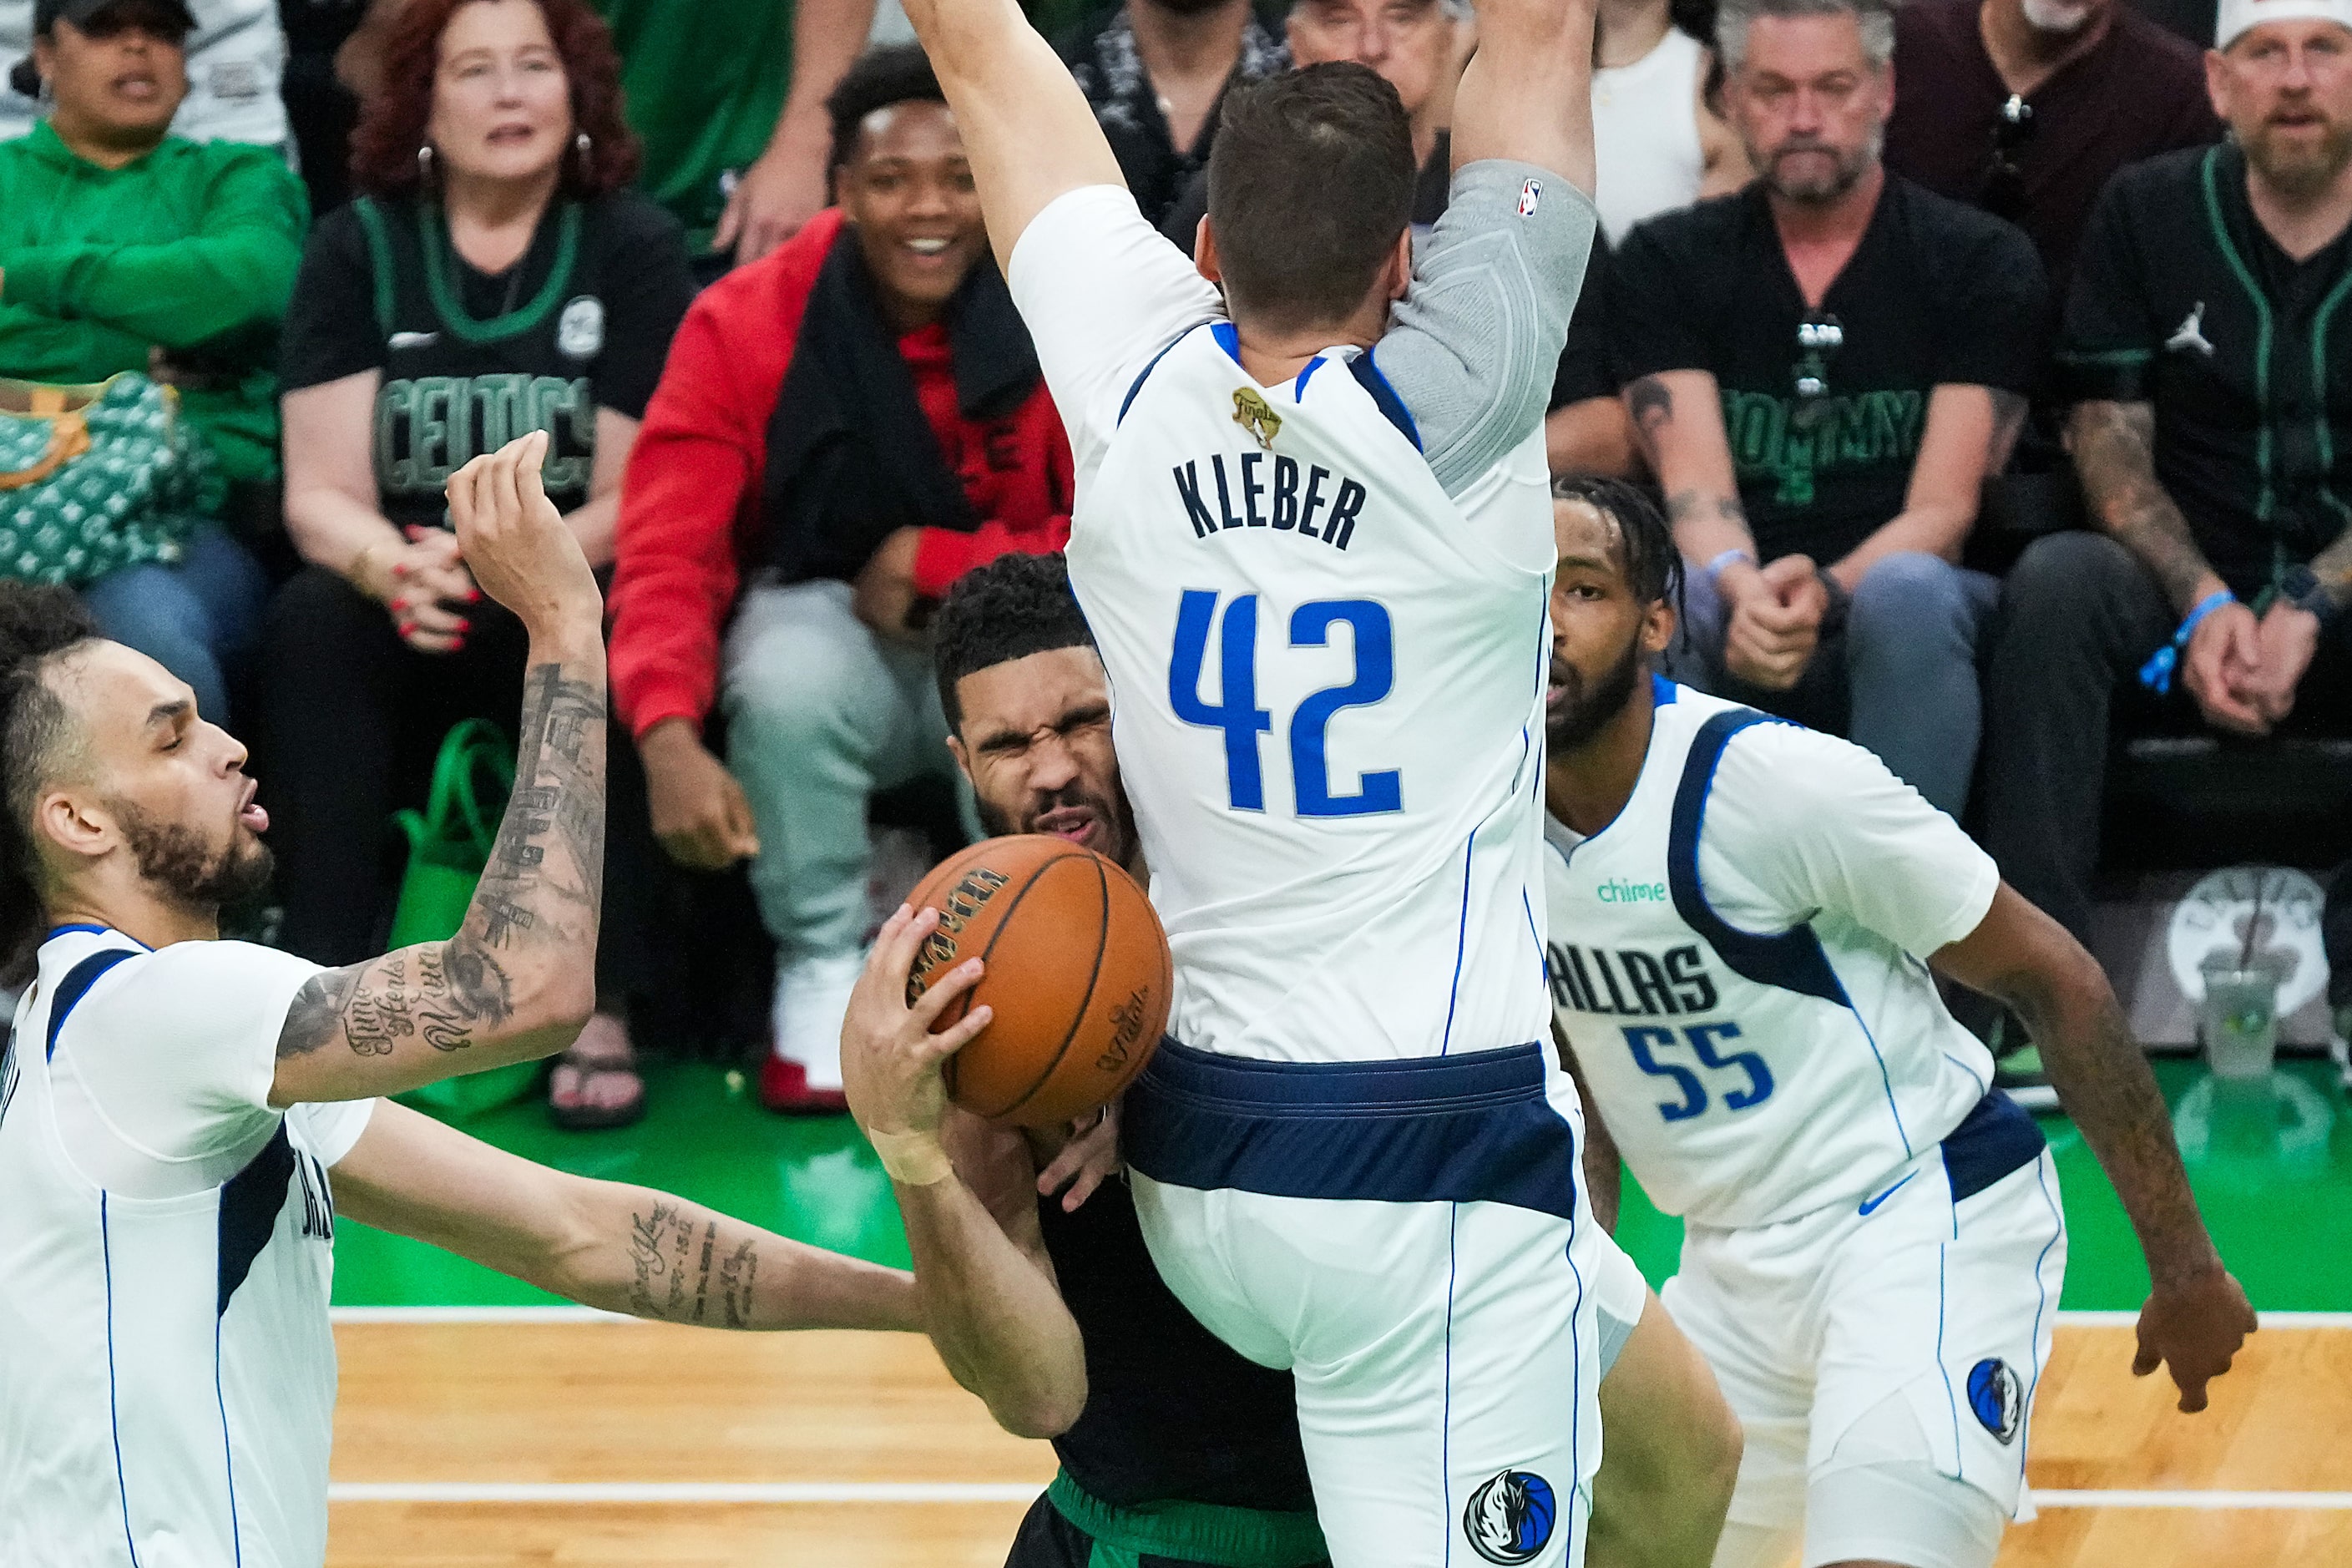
[519, 978]
[1026, 127]
[627, 1249]
[2197, 1315]
[1527, 92]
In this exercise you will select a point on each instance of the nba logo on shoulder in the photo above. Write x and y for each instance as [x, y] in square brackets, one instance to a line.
[1530, 193]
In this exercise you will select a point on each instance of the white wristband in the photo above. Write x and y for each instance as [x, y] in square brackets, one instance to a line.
[912, 1159]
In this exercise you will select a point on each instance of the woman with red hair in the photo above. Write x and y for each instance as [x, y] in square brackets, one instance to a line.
[494, 276]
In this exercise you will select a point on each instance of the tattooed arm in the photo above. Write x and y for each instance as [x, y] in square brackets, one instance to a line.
[1678, 419]
[2114, 444]
[2196, 1316]
[519, 977]
[623, 1248]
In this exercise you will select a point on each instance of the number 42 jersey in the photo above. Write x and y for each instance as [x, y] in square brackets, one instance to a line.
[1738, 963]
[1329, 669]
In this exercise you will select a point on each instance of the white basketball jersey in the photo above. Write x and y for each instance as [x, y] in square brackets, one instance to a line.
[1735, 961]
[1328, 680]
[167, 1373]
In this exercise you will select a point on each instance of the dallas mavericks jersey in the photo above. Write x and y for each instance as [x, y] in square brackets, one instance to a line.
[1735, 961]
[1329, 678]
[167, 1373]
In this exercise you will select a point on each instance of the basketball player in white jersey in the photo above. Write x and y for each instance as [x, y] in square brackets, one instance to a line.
[1744, 918]
[1312, 534]
[171, 1104]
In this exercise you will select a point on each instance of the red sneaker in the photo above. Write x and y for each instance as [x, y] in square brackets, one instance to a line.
[784, 1089]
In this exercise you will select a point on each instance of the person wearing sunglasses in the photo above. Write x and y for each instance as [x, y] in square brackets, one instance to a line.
[1823, 370]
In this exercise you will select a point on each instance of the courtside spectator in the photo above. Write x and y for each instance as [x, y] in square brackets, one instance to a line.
[235, 52]
[2025, 108]
[2213, 435]
[844, 430]
[1416, 46]
[1156, 72]
[1823, 370]
[495, 278]
[125, 249]
[1657, 142]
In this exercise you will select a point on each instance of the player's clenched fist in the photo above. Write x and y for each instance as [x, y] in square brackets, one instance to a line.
[2193, 1329]
[515, 541]
[889, 1055]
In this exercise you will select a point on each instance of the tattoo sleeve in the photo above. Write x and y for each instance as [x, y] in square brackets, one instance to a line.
[534, 909]
[2115, 453]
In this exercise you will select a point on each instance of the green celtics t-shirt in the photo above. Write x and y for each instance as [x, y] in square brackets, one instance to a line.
[468, 360]
[704, 83]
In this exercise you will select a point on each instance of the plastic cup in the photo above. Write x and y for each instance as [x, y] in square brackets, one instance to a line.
[2241, 1019]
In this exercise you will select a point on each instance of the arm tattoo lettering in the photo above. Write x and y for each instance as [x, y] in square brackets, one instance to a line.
[2115, 453]
[527, 896]
[674, 1253]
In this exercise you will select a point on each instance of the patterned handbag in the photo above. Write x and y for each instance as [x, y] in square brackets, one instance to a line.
[95, 479]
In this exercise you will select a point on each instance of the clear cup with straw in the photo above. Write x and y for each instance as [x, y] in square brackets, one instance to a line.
[2238, 1016]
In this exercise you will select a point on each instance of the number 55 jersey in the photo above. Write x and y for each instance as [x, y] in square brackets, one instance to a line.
[1738, 962]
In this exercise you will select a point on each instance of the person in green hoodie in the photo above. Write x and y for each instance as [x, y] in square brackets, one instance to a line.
[123, 247]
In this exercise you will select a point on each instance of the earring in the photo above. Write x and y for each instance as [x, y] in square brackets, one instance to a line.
[425, 164]
[585, 145]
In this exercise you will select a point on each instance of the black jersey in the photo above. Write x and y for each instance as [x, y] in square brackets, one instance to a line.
[1172, 1416]
[470, 360]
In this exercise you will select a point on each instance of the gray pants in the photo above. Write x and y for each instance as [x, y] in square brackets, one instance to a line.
[821, 713]
[1898, 676]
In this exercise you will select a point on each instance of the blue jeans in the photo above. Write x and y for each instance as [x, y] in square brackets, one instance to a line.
[198, 619]
[1898, 676]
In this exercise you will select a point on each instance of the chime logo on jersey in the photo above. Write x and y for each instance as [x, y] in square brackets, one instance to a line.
[1997, 1397]
[1510, 1519]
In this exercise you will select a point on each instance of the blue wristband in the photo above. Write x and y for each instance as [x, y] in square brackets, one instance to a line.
[2156, 673]
[1737, 553]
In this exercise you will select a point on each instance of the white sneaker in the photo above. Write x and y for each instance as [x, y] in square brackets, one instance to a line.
[812, 999]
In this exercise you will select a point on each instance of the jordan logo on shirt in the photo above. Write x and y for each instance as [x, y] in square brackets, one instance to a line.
[2192, 334]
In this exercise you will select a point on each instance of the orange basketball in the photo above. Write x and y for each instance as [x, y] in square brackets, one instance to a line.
[1078, 976]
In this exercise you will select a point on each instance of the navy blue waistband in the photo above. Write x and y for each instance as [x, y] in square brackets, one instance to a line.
[1467, 1129]
[1994, 1138]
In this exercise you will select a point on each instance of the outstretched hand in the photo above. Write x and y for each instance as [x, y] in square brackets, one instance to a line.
[891, 1057]
[2193, 1329]
[513, 538]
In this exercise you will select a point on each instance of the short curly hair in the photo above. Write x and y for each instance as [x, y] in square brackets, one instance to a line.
[393, 118]
[894, 73]
[1013, 607]
[38, 622]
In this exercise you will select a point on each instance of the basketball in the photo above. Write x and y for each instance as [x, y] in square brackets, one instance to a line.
[1078, 976]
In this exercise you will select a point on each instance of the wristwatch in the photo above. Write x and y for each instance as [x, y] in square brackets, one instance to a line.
[2302, 588]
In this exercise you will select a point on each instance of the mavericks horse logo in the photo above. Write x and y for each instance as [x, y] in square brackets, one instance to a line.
[1510, 1519]
[1997, 1397]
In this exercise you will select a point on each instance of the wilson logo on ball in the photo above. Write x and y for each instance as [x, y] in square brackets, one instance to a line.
[1127, 1023]
[964, 900]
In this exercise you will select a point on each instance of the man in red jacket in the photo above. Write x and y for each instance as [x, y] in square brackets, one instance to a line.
[843, 429]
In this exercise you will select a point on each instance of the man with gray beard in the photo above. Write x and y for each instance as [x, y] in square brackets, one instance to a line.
[2211, 372]
[1823, 369]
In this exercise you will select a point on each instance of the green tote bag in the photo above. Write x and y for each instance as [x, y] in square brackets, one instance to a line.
[448, 844]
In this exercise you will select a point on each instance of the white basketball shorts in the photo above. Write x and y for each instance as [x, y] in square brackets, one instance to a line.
[1928, 1308]
[1413, 1240]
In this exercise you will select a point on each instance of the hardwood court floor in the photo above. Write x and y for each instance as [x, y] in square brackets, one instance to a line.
[494, 1445]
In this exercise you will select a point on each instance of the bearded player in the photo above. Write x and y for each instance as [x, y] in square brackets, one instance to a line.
[1746, 922]
[1046, 1303]
[172, 1104]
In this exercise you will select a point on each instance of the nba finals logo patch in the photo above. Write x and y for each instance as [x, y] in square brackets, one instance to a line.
[1530, 196]
[1997, 1397]
[1510, 1519]
[1253, 414]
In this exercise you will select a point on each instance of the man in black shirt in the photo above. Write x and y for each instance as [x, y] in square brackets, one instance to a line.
[1823, 369]
[1155, 73]
[2211, 370]
[1045, 1302]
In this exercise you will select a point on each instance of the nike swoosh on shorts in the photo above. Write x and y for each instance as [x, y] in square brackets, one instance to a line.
[1870, 1204]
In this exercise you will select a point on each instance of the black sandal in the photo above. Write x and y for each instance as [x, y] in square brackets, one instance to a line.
[583, 1117]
